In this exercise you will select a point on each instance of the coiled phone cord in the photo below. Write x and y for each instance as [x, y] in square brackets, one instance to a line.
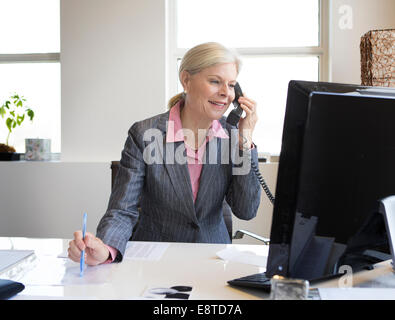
[262, 181]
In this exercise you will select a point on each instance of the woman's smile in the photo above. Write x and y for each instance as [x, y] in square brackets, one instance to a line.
[218, 105]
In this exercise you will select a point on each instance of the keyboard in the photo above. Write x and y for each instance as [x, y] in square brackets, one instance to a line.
[258, 280]
[261, 281]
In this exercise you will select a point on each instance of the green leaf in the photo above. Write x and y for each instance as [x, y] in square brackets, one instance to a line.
[20, 119]
[9, 124]
[30, 113]
[13, 119]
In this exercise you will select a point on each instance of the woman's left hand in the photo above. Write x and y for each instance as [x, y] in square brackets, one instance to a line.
[247, 124]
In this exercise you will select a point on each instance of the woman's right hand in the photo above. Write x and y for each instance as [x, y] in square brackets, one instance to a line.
[96, 252]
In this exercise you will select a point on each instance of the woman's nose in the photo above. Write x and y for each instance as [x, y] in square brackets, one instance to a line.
[225, 90]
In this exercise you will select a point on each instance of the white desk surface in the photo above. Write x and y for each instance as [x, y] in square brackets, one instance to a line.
[197, 265]
[194, 264]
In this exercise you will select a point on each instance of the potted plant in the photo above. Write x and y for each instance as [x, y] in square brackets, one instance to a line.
[14, 111]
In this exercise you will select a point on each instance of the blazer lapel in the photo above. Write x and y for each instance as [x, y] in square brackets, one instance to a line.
[179, 176]
[209, 171]
[178, 172]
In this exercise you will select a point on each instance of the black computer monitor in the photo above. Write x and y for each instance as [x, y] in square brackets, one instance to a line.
[337, 160]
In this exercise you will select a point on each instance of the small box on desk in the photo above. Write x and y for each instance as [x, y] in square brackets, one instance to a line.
[38, 149]
[378, 58]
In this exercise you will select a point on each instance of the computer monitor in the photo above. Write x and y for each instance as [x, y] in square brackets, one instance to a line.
[337, 160]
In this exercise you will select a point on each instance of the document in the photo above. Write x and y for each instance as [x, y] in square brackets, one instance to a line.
[14, 263]
[256, 258]
[148, 251]
[52, 271]
[357, 293]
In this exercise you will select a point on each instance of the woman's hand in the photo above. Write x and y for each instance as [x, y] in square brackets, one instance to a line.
[247, 124]
[96, 252]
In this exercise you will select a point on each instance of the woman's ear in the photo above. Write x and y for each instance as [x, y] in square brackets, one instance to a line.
[185, 78]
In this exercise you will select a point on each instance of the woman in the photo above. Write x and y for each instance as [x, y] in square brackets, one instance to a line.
[178, 167]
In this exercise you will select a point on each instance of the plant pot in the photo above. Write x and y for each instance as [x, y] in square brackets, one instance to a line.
[10, 156]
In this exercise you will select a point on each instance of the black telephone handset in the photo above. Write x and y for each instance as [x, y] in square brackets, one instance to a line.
[233, 119]
[235, 114]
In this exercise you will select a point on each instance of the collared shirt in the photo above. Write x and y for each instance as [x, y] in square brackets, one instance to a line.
[194, 157]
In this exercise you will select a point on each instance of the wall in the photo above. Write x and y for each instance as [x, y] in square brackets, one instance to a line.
[41, 199]
[113, 73]
[346, 32]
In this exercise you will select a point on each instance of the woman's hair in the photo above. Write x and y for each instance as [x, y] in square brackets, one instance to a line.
[203, 56]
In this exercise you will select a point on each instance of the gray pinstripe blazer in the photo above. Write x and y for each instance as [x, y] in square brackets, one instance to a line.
[159, 195]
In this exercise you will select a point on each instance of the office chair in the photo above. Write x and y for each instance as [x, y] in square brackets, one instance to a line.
[227, 212]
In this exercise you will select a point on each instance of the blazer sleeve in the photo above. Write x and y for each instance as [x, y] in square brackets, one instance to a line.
[244, 192]
[116, 226]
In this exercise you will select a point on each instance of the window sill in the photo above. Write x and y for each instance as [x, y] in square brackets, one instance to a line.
[53, 157]
[267, 157]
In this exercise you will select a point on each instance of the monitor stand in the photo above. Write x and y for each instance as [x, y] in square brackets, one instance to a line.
[312, 256]
[387, 209]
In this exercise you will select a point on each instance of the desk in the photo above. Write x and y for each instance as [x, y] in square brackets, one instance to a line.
[192, 264]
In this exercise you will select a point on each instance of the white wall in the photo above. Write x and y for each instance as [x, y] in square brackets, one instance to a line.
[48, 199]
[113, 73]
[344, 42]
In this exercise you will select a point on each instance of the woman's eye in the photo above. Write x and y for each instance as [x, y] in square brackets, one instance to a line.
[232, 86]
[214, 81]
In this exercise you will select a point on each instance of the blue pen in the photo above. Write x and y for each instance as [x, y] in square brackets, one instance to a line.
[82, 260]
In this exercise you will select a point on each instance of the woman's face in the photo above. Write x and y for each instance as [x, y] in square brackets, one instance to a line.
[210, 92]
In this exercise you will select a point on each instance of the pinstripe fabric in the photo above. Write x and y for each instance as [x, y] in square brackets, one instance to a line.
[159, 195]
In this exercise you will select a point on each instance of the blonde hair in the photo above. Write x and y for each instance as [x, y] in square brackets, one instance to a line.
[203, 56]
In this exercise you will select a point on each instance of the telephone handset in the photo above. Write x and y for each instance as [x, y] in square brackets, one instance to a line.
[235, 114]
[233, 119]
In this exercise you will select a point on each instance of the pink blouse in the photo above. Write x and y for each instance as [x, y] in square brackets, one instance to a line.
[194, 157]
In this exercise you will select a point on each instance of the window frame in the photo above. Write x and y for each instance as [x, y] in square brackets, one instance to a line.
[29, 57]
[174, 54]
[52, 57]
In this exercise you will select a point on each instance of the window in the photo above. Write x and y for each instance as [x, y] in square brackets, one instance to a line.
[30, 66]
[278, 41]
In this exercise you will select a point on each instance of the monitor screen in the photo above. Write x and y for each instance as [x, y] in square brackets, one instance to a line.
[336, 162]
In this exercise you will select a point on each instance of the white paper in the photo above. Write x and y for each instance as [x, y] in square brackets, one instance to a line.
[52, 271]
[357, 293]
[148, 251]
[248, 257]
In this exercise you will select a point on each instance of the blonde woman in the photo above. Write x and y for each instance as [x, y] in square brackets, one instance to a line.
[179, 167]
